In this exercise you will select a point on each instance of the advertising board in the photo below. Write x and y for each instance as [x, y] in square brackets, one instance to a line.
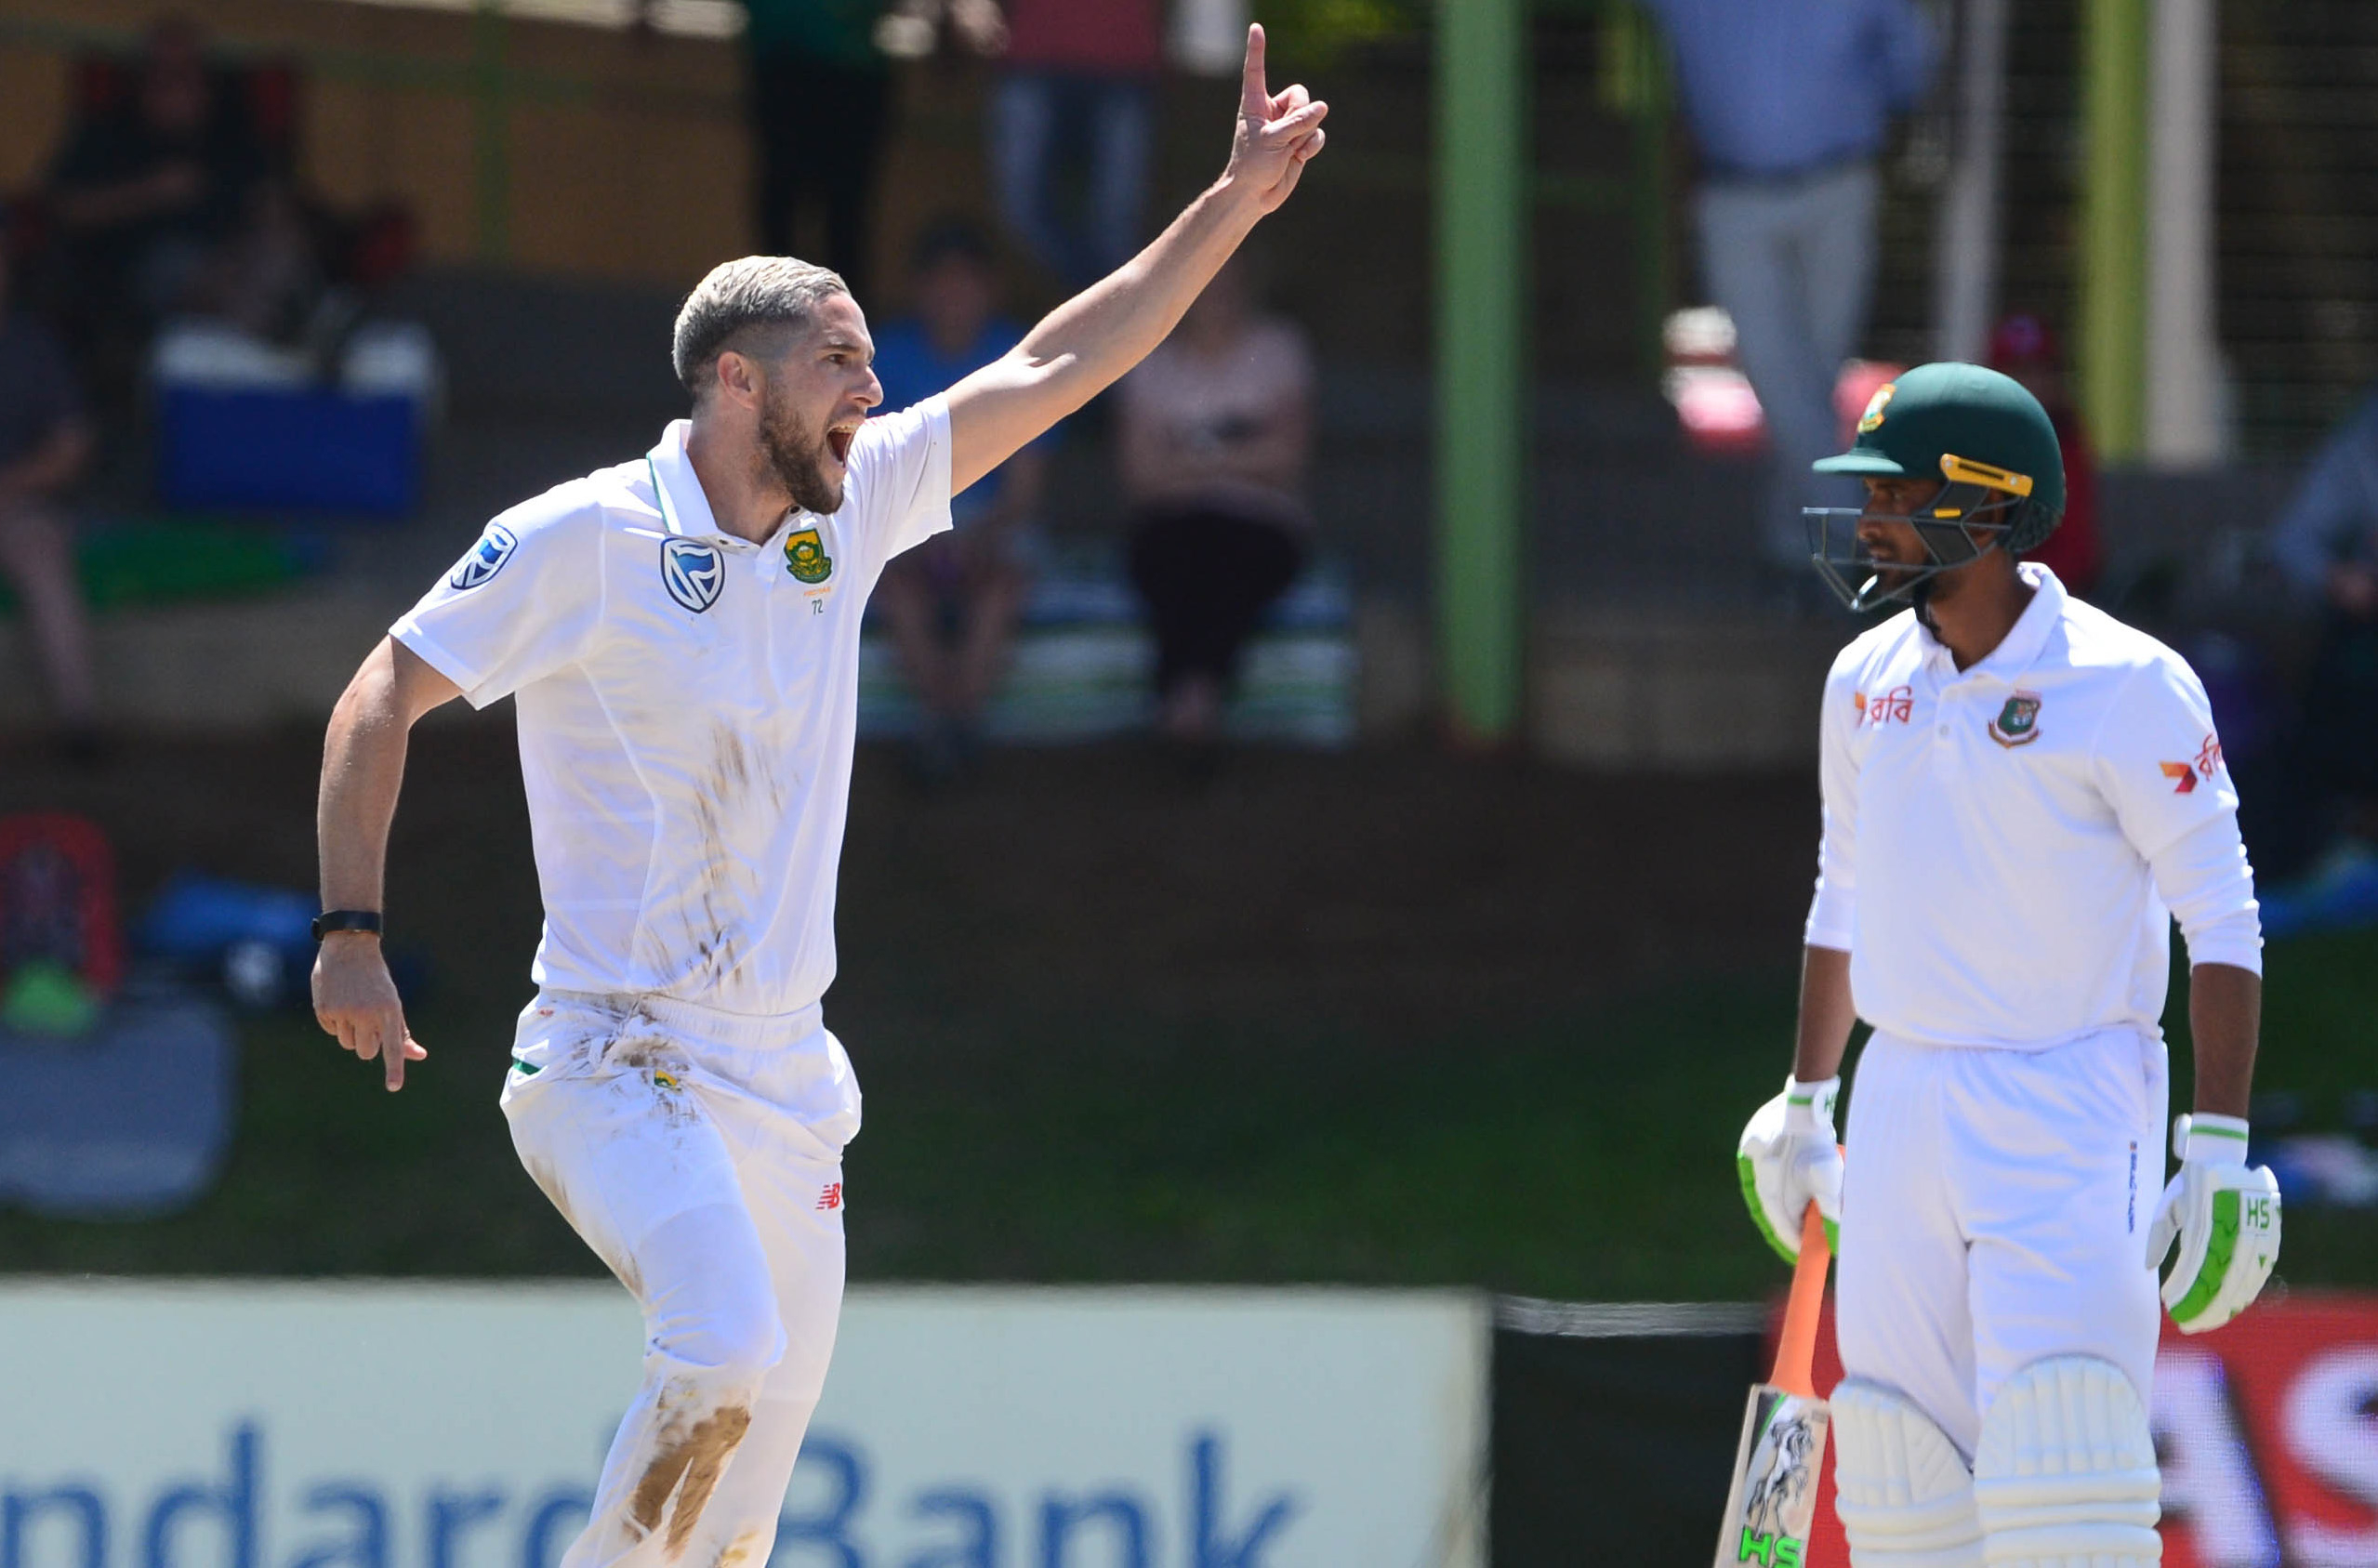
[2268, 1433]
[385, 1425]
[2267, 1429]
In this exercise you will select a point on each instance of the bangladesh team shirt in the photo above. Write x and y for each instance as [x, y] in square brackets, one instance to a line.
[688, 706]
[1992, 837]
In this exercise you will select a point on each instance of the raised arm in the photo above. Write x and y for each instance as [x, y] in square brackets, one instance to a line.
[362, 764]
[1082, 347]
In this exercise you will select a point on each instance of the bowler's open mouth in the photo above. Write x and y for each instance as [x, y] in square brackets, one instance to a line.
[839, 440]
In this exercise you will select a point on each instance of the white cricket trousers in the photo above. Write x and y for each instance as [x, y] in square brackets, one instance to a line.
[700, 1154]
[1994, 1212]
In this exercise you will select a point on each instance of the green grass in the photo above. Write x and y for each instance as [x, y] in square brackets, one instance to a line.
[2321, 994]
[1585, 1155]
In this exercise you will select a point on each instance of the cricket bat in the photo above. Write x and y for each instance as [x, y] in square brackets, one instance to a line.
[1773, 1502]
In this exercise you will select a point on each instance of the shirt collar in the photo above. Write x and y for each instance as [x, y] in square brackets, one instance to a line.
[2024, 641]
[677, 488]
[685, 507]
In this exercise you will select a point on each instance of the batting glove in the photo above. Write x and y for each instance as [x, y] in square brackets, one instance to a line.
[1788, 1158]
[2225, 1219]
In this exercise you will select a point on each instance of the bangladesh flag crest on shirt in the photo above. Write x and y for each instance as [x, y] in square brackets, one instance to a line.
[2018, 722]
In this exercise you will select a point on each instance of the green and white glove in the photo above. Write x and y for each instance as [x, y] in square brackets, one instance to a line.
[1788, 1158]
[2225, 1219]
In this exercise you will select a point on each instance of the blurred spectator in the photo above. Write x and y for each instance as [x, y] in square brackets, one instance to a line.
[266, 277]
[821, 101]
[2326, 544]
[1217, 429]
[2023, 347]
[1080, 79]
[145, 193]
[953, 602]
[1790, 101]
[45, 442]
[915, 29]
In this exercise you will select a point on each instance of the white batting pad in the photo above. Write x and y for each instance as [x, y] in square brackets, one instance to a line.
[2066, 1477]
[1903, 1492]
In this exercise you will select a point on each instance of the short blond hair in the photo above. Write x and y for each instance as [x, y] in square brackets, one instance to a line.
[739, 300]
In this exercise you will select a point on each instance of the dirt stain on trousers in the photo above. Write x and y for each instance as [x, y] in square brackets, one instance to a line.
[686, 1464]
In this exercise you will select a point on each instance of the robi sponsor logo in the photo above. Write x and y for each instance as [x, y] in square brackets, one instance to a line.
[1895, 706]
[2207, 762]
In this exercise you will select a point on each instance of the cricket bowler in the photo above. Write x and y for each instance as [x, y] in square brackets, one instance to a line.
[681, 637]
[2020, 793]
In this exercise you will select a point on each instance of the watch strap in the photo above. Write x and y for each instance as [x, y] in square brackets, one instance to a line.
[331, 920]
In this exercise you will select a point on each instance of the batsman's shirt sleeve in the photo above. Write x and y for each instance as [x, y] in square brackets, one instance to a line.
[1831, 914]
[899, 485]
[2160, 767]
[523, 602]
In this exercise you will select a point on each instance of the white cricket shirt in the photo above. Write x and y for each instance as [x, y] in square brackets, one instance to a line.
[2002, 845]
[688, 703]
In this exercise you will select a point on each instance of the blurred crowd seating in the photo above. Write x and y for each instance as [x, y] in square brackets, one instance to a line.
[252, 118]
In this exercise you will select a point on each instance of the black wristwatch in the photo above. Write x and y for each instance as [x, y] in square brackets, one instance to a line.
[331, 920]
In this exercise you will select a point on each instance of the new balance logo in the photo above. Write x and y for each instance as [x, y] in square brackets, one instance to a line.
[831, 1197]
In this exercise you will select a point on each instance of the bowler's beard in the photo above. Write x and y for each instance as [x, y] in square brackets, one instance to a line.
[798, 459]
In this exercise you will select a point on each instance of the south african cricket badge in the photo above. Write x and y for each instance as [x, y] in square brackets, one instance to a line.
[2018, 722]
[805, 557]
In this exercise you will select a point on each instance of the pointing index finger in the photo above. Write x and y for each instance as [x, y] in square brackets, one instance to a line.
[1253, 100]
[397, 1047]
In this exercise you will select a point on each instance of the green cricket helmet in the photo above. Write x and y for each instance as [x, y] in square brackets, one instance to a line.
[1993, 451]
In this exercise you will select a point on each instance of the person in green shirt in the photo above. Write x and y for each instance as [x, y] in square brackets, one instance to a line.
[820, 103]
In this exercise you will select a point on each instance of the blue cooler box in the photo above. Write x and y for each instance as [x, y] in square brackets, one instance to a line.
[279, 450]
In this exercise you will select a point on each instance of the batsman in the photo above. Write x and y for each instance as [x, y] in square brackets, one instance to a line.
[2020, 793]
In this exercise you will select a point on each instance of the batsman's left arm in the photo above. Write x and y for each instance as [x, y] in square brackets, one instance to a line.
[1084, 345]
[2204, 879]
[2162, 771]
[2225, 1020]
[2222, 1215]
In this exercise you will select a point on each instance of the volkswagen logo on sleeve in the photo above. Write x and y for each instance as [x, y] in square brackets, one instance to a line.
[486, 557]
[693, 572]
